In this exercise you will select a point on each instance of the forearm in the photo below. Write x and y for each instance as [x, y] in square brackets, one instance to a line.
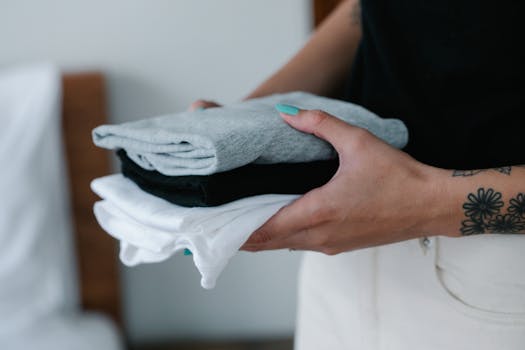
[324, 62]
[476, 202]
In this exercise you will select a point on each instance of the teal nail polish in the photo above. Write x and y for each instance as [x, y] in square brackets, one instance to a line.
[287, 109]
[187, 252]
[200, 108]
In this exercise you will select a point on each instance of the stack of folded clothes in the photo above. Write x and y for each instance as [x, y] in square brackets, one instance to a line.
[203, 181]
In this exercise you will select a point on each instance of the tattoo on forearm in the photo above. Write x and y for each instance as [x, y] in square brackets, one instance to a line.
[356, 13]
[506, 170]
[483, 211]
[503, 169]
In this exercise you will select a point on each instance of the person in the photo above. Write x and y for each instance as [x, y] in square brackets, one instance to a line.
[423, 247]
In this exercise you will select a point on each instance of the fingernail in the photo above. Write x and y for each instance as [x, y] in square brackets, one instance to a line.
[287, 109]
[200, 108]
[187, 252]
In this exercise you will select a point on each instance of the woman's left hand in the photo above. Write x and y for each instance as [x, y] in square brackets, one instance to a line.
[379, 195]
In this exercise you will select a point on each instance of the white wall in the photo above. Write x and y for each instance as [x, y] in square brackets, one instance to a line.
[159, 55]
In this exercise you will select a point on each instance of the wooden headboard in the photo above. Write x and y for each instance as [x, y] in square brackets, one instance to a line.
[83, 108]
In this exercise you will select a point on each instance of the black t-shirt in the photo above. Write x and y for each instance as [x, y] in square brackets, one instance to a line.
[453, 71]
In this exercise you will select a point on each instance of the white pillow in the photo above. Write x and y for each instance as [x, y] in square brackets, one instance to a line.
[37, 276]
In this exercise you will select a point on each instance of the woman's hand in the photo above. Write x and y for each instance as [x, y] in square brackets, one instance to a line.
[379, 195]
[203, 104]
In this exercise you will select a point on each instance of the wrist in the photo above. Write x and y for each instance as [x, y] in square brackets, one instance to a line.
[441, 214]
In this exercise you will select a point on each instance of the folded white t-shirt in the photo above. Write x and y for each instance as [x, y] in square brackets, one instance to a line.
[151, 229]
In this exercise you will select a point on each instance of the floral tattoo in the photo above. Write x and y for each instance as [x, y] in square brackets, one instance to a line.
[483, 212]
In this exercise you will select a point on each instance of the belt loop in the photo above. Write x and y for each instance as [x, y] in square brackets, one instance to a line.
[426, 244]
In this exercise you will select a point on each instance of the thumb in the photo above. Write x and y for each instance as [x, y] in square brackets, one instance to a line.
[299, 215]
[318, 123]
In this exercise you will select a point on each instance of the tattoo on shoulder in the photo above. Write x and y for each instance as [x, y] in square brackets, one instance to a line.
[483, 212]
[503, 170]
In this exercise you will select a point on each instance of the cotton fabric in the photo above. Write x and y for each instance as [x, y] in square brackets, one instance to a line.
[208, 141]
[451, 293]
[221, 188]
[452, 71]
[151, 229]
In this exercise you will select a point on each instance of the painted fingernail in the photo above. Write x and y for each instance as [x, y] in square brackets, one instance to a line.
[287, 109]
[187, 252]
[200, 108]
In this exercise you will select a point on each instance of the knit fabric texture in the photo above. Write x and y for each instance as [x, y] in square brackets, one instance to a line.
[220, 139]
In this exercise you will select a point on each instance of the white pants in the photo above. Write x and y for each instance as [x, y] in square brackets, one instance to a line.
[450, 293]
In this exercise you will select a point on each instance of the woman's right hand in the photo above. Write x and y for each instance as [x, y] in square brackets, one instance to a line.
[203, 104]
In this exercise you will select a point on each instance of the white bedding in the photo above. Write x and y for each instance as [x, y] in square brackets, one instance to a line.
[38, 296]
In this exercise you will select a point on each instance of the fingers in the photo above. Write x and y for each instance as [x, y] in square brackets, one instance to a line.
[313, 239]
[325, 126]
[305, 212]
[203, 104]
[296, 241]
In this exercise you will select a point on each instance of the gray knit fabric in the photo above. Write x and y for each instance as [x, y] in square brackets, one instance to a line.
[219, 139]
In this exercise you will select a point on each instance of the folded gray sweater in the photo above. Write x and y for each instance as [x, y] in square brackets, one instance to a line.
[219, 139]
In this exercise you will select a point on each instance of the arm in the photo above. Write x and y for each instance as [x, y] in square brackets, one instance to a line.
[381, 195]
[322, 65]
[485, 201]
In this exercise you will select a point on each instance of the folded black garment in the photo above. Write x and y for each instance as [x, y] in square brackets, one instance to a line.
[224, 187]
